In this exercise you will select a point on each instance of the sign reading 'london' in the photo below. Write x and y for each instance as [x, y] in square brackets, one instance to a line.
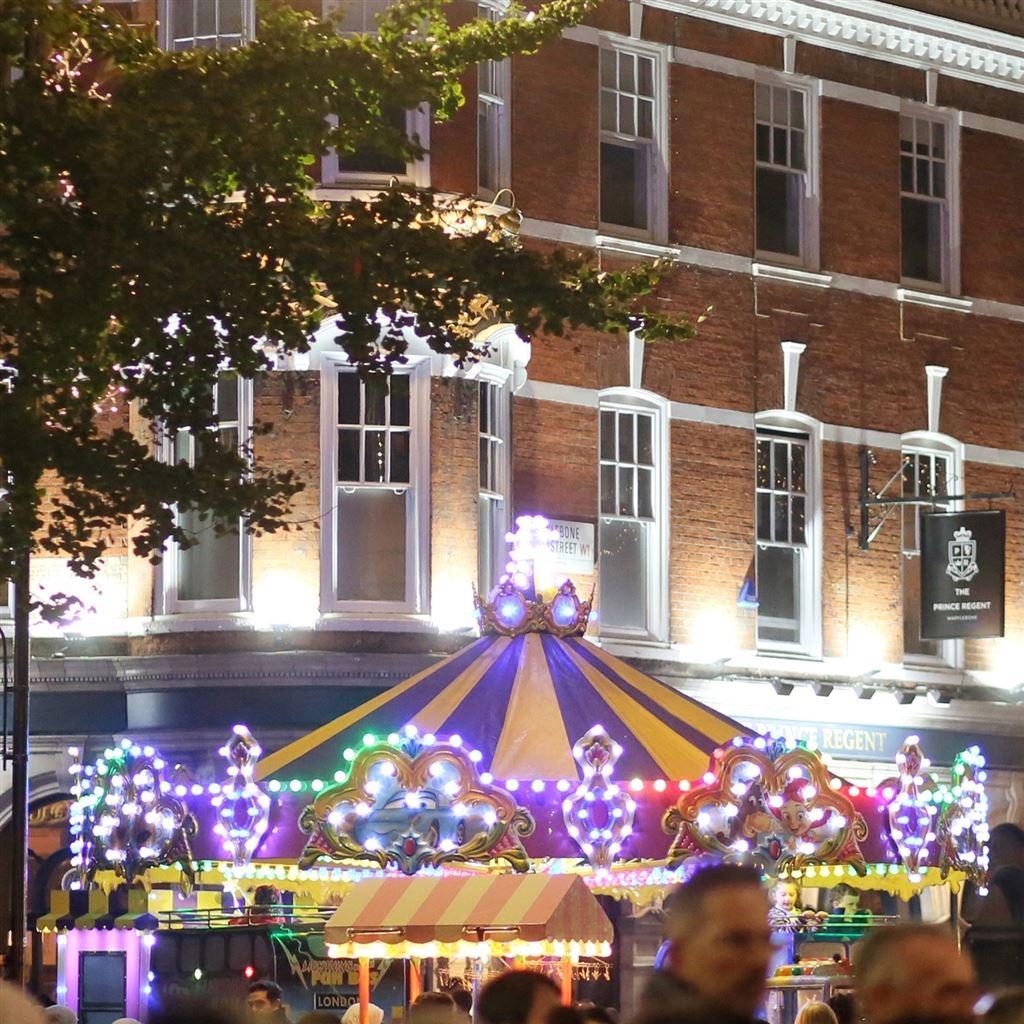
[962, 574]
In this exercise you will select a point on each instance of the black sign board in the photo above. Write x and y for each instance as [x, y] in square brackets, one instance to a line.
[962, 574]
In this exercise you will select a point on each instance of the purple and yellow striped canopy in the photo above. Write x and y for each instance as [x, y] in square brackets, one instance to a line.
[523, 702]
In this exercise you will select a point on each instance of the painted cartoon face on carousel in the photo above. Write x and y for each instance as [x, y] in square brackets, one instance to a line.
[798, 812]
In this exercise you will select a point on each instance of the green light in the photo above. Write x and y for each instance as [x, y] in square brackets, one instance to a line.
[369, 740]
[349, 754]
[274, 786]
[197, 974]
[296, 785]
[340, 776]
[317, 785]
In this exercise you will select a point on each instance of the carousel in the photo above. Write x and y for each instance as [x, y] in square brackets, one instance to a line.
[473, 815]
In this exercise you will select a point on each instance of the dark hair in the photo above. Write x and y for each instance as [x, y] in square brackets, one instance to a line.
[596, 1014]
[844, 1007]
[879, 955]
[196, 1011]
[432, 1006]
[509, 998]
[686, 904]
[272, 989]
[319, 1017]
[463, 999]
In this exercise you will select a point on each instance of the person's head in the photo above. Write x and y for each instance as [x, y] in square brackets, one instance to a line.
[717, 923]
[1006, 846]
[845, 898]
[432, 1008]
[319, 1017]
[463, 1000]
[17, 1008]
[1006, 1008]
[844, 1007]
[59, 1015]
[374, 1014]
[517, 997]
[914, 971]
[816, 1013]
[785, 894]
[593, 1014]
[264, 997]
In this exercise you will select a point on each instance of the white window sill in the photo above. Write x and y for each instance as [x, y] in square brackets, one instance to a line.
[396, 622]
[790, 274]
[935, 300]
[195, 622]
[630, 246]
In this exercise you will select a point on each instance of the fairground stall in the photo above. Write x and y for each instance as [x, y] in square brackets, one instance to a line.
[532, 753]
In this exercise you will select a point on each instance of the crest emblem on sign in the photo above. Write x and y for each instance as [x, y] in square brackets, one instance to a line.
[963, 554]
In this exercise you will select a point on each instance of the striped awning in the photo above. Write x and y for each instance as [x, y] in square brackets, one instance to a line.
[553, 915]
[523, 702]
[94, 908]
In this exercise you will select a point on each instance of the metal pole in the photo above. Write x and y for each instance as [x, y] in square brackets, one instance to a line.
[15, 963]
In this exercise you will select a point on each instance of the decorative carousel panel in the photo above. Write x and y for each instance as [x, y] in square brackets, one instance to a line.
[411, 805]
[776, 808]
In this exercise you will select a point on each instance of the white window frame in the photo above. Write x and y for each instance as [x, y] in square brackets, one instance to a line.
[500, 101]
[417, 172]
[657, 145]
[169, 575]
[495, 504]
[810, 210]
[164, 24]
[631, 400]
[417, 540]
[950, 223]
[924, 442]
[810, 613]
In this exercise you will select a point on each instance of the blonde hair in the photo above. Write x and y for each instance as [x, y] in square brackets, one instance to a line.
[816, 1013]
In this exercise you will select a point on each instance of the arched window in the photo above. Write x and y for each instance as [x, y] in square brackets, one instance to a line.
[787, 481]
[633, 514]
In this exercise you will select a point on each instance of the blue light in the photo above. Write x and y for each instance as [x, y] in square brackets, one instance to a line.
[565, 610]
[511, 611]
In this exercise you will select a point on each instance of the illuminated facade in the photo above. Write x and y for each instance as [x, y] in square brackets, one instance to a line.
[839, 182]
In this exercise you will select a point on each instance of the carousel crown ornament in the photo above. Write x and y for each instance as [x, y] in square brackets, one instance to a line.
[514, 607]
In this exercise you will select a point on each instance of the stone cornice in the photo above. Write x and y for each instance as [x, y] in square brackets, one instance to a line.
[881, 31]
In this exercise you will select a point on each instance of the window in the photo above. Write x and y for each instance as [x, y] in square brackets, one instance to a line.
[376, 480]
[783, 184]
[631, 171]
[494, 482]
[493, 133]
[632, 536]
[927, 473]
[102, 986]
[213, 574]
[218, 24]
[924, 200]
[6, 599]
[369, 165]
[788, 549]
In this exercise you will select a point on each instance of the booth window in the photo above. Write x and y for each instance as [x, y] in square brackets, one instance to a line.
[629, 138]
[926, 474]
[102, 986]
[216, 24]
[493, 134]
[212, 574]
[494, 429]
[924, 200]
[375, 482]
[783, 184]
[631, 535]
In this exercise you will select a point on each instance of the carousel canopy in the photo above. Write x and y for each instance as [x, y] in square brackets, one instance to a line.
[522, 913]
[523, 701]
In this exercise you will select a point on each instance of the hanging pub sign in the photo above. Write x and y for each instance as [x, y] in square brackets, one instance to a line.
[962, 574]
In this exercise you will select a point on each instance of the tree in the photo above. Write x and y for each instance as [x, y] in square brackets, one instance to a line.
[157, 227]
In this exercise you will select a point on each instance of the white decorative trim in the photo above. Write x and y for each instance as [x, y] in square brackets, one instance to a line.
[636, 360]
[633, 247]
[936, 300]
[710, 259]
[831, 433]
[636, 19]
[879, 31]
[791, 275]
[935, 375]
[791, 353]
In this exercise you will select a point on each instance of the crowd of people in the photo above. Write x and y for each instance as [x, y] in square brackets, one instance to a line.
[719, 954]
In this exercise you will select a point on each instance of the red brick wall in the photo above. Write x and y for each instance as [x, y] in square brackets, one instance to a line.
[860, 155]
[555, 133]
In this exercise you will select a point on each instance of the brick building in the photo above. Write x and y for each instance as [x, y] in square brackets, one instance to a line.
[838, 183]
